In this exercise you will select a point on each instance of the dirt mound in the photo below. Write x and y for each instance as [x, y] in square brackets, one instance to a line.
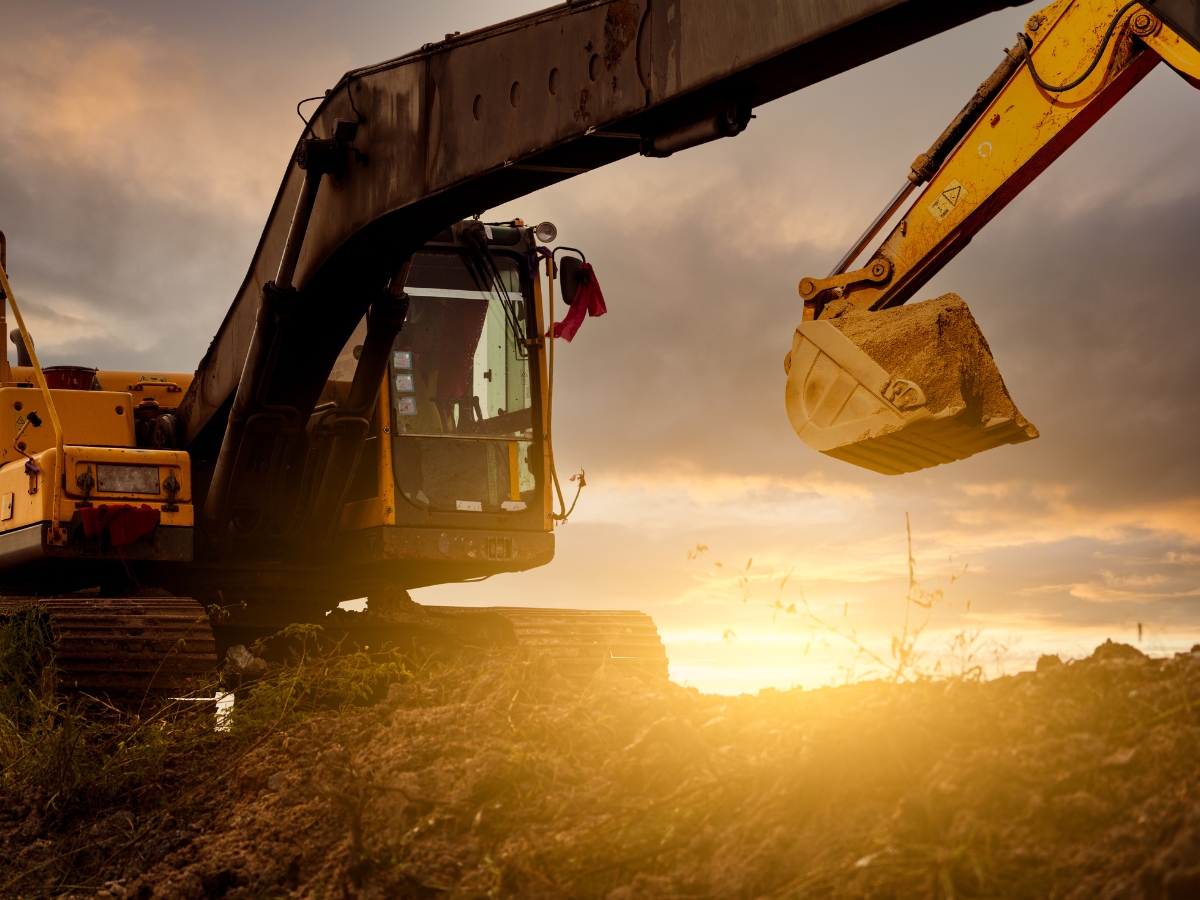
[936, 344]
[497, 778]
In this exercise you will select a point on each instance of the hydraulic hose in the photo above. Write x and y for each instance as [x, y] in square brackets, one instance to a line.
[1059, 88]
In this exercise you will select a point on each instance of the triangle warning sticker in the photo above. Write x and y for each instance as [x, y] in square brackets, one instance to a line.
[947, 200]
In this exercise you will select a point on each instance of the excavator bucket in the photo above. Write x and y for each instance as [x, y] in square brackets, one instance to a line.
[899, 390]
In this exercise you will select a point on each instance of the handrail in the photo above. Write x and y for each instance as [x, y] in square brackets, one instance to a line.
[56, 535]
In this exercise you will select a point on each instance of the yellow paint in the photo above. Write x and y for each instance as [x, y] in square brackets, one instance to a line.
[380, 509]
[168, 388]
[547, 489]
[514, 471]
[362, 514]
[1023, 130]
[176, 462]
[29, 508]
[1176, 53]
[88, 417]
[168, 462]
[56, 536]
[387, 480]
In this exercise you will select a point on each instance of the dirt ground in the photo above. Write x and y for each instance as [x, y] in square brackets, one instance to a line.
[495, 777]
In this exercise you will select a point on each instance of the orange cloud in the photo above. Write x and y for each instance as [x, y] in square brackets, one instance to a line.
[141, 111]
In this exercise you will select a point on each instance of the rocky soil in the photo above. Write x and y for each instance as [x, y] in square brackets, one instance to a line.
[495, 777]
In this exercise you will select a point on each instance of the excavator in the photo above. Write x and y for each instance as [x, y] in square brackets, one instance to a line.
[374, 413]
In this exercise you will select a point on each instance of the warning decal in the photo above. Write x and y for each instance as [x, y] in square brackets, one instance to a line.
[949, 198]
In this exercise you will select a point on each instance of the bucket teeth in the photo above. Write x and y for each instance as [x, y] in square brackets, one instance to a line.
[900, 390]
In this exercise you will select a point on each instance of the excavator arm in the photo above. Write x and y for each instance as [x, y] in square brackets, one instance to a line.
[1072, 64]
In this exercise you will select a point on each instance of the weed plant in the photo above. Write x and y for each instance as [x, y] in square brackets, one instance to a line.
[143, 761]
[965, 657]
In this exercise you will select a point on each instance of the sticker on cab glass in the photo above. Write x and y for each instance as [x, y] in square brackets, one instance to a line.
[401, 359]
[406, 406]
[469, 505]
[949, 198]
[404, 384]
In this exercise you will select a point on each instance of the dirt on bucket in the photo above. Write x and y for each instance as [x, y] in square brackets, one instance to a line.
[936, 344]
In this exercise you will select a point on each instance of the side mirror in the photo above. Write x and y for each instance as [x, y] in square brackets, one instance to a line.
[570, 274]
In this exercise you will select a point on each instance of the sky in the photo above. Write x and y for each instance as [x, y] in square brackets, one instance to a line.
[141, 145]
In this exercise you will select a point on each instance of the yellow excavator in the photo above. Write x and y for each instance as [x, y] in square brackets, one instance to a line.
[374, 413]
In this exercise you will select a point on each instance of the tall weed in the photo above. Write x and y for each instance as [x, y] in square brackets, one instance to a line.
[966, 656]
[65, 758]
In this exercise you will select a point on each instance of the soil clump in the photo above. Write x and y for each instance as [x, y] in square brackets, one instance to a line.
[936, 344]
[493, 776]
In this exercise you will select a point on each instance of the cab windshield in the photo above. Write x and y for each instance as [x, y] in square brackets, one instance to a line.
[460, 386]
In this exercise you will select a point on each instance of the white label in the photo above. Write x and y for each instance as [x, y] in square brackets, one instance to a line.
[513, 505]
[949, 198]
[469, 505]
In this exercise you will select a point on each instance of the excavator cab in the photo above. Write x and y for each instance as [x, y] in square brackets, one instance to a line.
[459, 389]
[451, 482]
[461, 386]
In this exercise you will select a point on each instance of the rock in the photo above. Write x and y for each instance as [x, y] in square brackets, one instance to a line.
[1119, 758]
[244, 663]
[1108, 651]
[293, 745]
[275, 782]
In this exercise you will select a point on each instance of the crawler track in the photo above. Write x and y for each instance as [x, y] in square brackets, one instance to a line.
[581, 639]
[125, 645]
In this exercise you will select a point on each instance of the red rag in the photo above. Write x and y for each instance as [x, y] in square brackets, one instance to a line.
[588, 301]
[130, 524]
[92, 523]
[125, 524]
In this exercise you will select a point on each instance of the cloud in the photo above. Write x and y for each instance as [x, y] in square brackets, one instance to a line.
[137, 111]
